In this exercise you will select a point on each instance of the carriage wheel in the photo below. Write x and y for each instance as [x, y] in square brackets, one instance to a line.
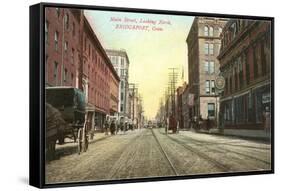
[79, 142]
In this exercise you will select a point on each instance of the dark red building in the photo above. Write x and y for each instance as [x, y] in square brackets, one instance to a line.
[76, 58]
[245, 63]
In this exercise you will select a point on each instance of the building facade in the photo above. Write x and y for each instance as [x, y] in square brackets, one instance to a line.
[204, 44]
[76, 58]
[120, 61]
[179, 106]
[245, 63]
[62, 46]
[186, 107]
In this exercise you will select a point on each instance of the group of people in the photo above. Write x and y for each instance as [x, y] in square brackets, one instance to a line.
[199, 123]
[114, 126]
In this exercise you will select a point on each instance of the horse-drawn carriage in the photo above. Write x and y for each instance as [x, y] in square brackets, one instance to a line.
[66, 116]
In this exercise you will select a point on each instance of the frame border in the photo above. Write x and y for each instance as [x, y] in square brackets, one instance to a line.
[37, 95]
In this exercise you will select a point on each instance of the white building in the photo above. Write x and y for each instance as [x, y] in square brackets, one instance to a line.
[120, 62]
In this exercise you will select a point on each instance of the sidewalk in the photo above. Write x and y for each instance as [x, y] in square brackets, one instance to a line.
[70, 147]
[243, 133]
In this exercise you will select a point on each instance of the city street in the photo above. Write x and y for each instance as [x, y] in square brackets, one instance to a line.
[152, 153]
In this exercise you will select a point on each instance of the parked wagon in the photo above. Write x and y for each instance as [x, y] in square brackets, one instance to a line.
[68, 104]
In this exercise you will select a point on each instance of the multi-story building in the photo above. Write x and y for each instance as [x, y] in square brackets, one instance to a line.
[100, 79]
[245, 63]
[120, 61]
[204, 43]
[62, 46]
[76, 58]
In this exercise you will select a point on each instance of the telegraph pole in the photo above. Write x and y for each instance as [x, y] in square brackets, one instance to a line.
[173, 75]
[134, 88]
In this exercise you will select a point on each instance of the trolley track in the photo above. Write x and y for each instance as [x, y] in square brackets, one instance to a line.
[227, 150]
[223, 167]
[164, 153]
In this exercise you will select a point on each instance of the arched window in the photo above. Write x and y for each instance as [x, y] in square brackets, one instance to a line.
[211, 31]
[206, 31]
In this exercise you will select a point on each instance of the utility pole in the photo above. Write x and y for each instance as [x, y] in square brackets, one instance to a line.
[173, 75]
[134, 88]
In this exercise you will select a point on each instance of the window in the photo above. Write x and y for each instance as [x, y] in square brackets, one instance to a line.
[234, 30]
[122, 84]
[122, 72]
[122, 62]
[207, 87]
[211, 31]
[72, 77]
[65, 46]
[66, 21]
[235, 77]
[73, 29]
[72, 55]
[122, 96]
[211, 49]
[206, 48]
[213, 90]
[56, 72]
[56, 40]
[211, 109]
[230, 84]
[206, 31]
[256, 65]
[58, 12]
[65, 75]
[263, 58]
[247, 68]
[240, 69]
[46, 31]
[209, 67]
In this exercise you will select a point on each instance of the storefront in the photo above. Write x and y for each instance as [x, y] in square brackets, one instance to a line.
[245, 110]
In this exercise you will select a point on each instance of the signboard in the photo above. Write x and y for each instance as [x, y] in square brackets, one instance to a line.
[220, 82]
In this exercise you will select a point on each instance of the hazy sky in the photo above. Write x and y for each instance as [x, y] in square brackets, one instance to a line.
[150, 52]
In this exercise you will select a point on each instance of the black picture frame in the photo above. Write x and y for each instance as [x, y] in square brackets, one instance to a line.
[37, 95]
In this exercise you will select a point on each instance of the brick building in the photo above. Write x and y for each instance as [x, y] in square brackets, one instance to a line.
[245, 63]
[62, 46]
[76, 58]
[204, 43]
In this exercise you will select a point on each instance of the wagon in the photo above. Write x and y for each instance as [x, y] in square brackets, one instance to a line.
[67, 104]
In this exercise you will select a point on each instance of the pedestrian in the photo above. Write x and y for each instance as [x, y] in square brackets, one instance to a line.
[200, 122]
[178, 127]
[208, 123]
[112, 127]
[106, 125]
